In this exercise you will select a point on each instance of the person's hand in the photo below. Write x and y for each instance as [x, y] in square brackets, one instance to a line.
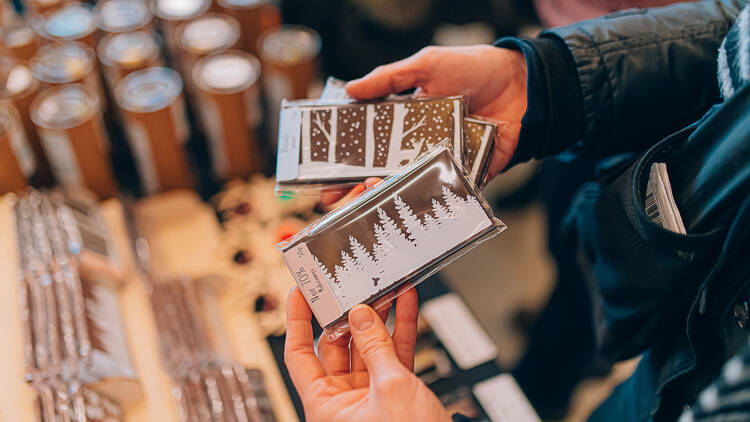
[493, 80]
[332, 198]
[370, 382]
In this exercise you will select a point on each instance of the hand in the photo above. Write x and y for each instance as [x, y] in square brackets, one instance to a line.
[332, 198]
[372, 381]
[492, 79]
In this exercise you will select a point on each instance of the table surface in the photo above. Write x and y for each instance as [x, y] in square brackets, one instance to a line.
[184, 236]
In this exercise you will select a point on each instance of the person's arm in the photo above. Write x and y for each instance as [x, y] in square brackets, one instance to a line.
[640, 74]
[617, 83]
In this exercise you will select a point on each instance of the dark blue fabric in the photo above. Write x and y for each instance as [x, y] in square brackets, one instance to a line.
[661, 293]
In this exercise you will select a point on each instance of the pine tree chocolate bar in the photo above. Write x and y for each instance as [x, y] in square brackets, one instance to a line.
[339, 141]
[399, 232]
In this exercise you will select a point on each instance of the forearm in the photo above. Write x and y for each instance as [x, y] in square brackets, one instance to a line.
[636, 75]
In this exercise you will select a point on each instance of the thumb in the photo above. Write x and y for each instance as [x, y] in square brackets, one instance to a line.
[388, 79]
[374, 343]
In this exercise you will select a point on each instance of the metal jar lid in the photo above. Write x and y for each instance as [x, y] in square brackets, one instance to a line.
[241, 4]
[117, 16]
[212, 32]
[127, 50]
[290, 44]
[17, 80]
[178, 10]
[227, 72]
[62, 63]
[17, 35]
[148, 90]
[64, 106]
[70, 22]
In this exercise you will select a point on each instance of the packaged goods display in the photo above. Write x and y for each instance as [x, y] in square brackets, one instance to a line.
[58, 400]
[393, 236]
[210, 33]
[18, 84]
[204, 383]
[249, 13]
[340, 141]
[17, 163]
[154, 118]
[69, 123]
[122, 16]
[72, 323]
[72, 22]
[20, 40]
[479, 135]
[227, 85]
[124, 53]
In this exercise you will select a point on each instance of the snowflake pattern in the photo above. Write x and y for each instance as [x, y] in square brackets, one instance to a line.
[368, 136]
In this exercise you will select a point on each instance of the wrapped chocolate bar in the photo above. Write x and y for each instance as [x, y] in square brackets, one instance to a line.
[479, 135]
[335, 142]
[395, 235]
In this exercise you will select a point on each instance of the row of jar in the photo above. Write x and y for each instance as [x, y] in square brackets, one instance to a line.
[64, 126]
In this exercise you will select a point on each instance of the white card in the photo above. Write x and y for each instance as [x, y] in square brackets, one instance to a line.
[459, 331]
[503, 401]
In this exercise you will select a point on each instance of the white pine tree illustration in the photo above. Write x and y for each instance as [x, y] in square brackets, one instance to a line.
[394, 255]
[369, 271]
[411, 222]
[323, 269]
[345, 278]
[441, 213]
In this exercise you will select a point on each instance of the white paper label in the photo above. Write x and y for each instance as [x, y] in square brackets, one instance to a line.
[277, 88]
[21, 149]
[287, 167]
[113, 361]
[144, 160]
[254, 112]
[212, 123]
[313, 284]
[503, 401]
[180, 121]
[62, 158]
[459, 331]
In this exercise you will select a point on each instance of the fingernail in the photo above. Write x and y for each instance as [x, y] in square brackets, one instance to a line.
[361, 318]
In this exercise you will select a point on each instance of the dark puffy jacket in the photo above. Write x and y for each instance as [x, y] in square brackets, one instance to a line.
[643, 82]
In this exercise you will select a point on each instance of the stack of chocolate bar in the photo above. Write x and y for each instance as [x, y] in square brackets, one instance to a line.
[392, 236]
[72, 327]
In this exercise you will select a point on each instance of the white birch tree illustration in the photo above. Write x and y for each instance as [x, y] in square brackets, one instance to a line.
[362, 140]
[398, 153]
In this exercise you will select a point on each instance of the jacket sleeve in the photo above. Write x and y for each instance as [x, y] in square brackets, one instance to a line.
[641, 74]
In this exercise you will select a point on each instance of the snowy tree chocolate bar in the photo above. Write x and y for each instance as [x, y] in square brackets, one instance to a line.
[399, 232]
[338, 141]
[479, 137]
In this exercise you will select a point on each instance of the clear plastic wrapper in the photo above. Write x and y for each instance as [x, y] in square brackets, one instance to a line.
[479, 137]
[479, 134]
[343, 142]
[389, 238]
